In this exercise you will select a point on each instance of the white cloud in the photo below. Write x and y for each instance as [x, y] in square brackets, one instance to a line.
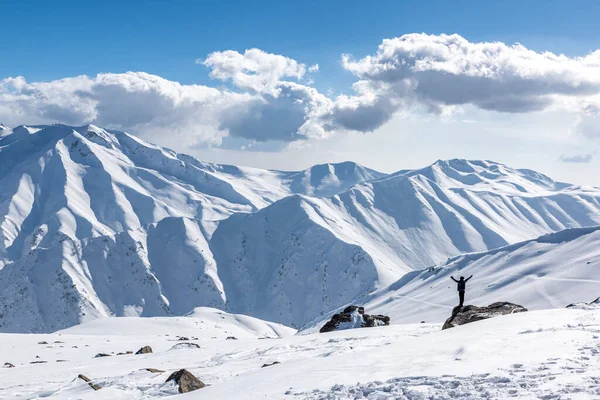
[437, 71]
[271, 97]
[254, 70]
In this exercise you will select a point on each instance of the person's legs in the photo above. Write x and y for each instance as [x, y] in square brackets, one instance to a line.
[461, 297]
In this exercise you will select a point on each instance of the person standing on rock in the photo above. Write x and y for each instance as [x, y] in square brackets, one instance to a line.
[461, 287]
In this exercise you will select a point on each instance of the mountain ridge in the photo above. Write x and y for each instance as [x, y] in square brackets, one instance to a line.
[98, 223]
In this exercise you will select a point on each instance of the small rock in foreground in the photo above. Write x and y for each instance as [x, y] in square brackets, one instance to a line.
[144, 350]
[186, 381]
[269, 364]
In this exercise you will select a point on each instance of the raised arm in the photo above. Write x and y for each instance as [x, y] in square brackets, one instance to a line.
[454, 279]
[468, 278]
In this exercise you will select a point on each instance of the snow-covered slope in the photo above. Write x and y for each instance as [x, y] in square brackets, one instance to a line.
[548, 272]
[202, 323]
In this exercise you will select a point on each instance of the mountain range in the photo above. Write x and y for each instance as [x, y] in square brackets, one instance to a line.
[97, 223]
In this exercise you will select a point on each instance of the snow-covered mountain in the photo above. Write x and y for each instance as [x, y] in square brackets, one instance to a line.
[78, 182]
[98, 223]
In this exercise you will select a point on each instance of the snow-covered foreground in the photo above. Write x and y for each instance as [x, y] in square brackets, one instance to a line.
[551, 354]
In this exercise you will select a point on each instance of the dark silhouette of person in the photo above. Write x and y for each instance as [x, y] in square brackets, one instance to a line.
[461, 287]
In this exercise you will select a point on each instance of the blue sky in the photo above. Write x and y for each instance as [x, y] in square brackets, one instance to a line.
[49, 40]
[403, 103]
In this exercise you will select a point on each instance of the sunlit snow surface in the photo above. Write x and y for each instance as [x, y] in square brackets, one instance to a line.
[544, 354]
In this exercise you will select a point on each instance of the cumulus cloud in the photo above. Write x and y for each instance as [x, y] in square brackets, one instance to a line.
[254, 70]
[578, 159]
[437, 71]
[271, 97]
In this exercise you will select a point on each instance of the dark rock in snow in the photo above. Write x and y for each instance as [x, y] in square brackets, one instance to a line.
[376, 320]
[467, 314]
[269, 364]
[38, 362]
[89, 382]
[8, 365]
[354, 317]
[154, 370]
[144, 350]
[43, 343]
[101, 355]
[586, 306]
[186, 381]
[231, 338]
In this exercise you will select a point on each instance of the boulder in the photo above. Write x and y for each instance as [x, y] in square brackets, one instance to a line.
[354, 317]
[144, 350]
[186, 381]
[467, 314]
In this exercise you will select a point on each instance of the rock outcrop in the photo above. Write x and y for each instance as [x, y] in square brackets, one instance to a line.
[467, 314]
[186, 381]
[354, 317]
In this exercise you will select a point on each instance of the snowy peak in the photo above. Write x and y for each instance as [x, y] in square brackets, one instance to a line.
[329, 179]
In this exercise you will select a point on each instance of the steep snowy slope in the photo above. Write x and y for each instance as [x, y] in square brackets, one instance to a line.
[168, 268]
[548, 272]
[59, 181]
